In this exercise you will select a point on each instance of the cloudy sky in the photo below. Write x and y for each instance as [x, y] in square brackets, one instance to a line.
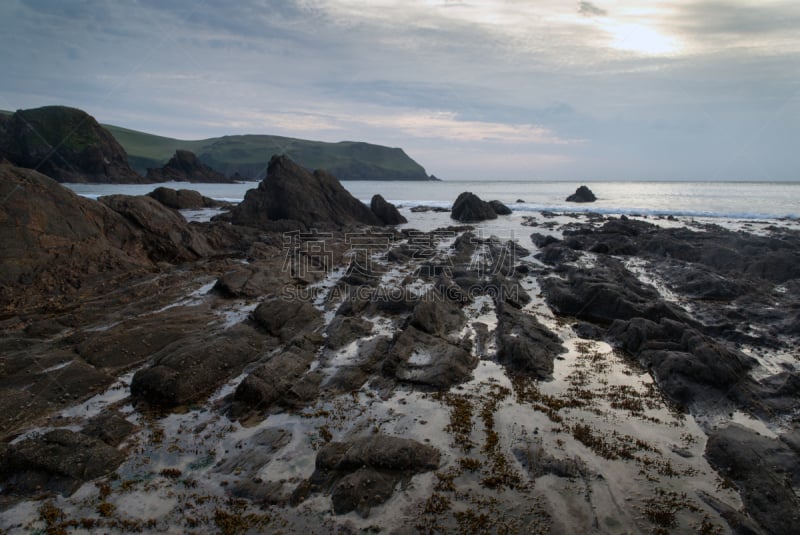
[474, 89]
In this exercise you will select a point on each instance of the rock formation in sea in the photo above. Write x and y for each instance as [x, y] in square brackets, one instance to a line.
[290, 192]
[184, 199]
[386, 211]
[468, 207]
[582, 194]
[65, 144]
[184, 166]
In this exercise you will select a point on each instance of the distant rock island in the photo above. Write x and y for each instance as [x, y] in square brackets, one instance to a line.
[69, 145]
[185, 167]
[582, 194]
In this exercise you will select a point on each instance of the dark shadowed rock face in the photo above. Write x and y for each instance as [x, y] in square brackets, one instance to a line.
[290, 192]
[582, 194]
[386, 211]
[184, 166]
[469, 207]
[66, 144]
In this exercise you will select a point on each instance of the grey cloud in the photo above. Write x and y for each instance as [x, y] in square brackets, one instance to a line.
[713, 17]
[590, 10]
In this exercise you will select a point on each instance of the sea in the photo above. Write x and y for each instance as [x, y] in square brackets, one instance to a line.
[726, 200]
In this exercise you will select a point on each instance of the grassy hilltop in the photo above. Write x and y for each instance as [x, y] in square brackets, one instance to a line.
[249, 155]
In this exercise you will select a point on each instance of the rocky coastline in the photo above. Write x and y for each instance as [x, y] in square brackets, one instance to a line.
[307, 361]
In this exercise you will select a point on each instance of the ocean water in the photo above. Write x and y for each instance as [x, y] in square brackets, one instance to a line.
[740, 200]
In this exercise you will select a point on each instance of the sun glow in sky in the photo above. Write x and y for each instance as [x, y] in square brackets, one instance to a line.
[503, 89]
[640, 39]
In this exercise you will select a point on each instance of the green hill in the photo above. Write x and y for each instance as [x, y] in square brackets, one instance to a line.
[248, 155]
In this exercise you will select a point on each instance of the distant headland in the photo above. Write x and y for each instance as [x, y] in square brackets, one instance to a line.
[70, 145]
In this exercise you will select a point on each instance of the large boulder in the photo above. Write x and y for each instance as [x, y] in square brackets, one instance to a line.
[386, 211]
[184, 166]
[582, 194]
[470, 208]
[290, 192]
[66, 144]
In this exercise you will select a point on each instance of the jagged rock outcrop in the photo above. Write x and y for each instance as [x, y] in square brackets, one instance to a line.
[65, 144]
[184, 166]
[582, 194]
[470, 208]
[290, 192]
[386, 211]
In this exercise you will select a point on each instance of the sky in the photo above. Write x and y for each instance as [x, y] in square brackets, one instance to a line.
[478, 90]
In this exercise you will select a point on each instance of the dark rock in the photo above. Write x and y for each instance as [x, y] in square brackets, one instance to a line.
[343, 329]
[523, 344]
[110, 427]
[500, 208]
[422, 359]
[364, 472]
[18, 408]
[164, 233]
[688, 366]
[361, 490]
[285, 319]
[184, 166]
[252, 280]
[543, 240]
[65, 144]
[190, 371]
[582, 194]
[520, 201]
[764, 469]
[183, 199]
[386, 211]
[291, 192]
[59, 461]
[469, 207]
[437, 315]
[55, 243]
[273, 381]
[423, 209]
[588, 331]
[606, 292]
[255, 452]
